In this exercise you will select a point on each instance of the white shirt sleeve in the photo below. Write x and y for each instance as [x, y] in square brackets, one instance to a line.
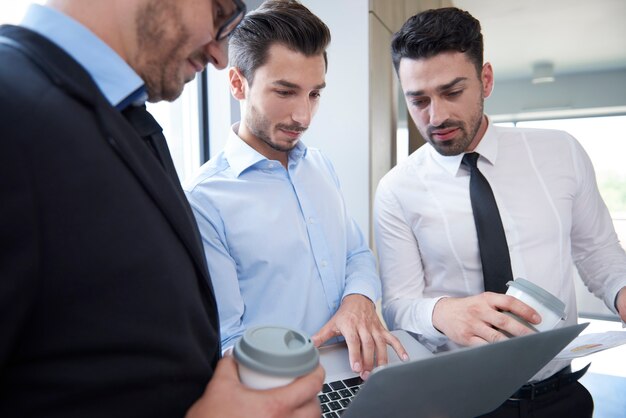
[596, 250]
[403, 304]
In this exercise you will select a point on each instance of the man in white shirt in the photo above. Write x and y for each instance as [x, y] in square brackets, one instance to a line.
[545, 190]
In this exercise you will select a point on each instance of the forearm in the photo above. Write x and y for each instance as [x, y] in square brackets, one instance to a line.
[361, 275]
[363, 280]
[604, 273]
[414, 315]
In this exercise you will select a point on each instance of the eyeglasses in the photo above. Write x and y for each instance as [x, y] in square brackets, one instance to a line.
[227, 18]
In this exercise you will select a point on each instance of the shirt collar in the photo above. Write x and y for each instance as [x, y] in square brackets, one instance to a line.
[115, 78]
[487, 148]
[241, 156]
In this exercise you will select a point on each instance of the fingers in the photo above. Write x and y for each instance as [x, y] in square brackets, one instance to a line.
[485, 332]
[520, 309]
[226, 370]
[381, 348]
[504, 327]
[368, 354]
[309, 410]
[327, 332]
[364, 334]
[301, 391]
[475, 340]
[509, 314]
[397, 347]
[297, 399]
[353, 341]
[477, 319]
[374, 348]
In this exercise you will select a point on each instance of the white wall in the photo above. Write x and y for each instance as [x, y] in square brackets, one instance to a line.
[340, 128]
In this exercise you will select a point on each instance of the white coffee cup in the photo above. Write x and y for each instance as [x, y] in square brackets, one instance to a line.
[271, 356]
[549, 307]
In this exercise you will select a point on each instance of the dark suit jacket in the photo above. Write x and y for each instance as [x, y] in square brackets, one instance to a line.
[106, 307]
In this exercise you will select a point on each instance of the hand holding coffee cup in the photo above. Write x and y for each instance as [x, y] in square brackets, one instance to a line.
[271, 356]
[549, 307]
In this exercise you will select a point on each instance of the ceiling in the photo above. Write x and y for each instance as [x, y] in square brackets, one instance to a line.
[576, 35]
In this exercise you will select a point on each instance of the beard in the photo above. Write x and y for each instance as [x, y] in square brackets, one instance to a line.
[468, 130]
[160, 39]
[260, 126]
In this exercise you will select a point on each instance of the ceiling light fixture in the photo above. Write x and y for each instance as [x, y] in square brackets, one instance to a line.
[543, 72]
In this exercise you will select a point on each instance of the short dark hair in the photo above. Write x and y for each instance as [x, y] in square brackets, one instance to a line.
[439, 30]
[285, 22]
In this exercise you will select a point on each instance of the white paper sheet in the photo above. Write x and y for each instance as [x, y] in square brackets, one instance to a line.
[587, 344]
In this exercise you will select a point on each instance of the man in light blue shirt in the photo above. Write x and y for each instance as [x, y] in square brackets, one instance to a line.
[275, 227]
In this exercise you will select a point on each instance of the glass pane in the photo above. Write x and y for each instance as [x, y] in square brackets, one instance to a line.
[180, 123]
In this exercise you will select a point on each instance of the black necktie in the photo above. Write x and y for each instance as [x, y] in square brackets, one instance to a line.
[152, 133]
[494, 250]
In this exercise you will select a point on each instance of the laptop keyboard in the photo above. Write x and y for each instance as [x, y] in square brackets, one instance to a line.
[336, 396]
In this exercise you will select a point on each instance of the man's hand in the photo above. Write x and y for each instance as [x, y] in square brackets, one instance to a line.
[226, 396]
[620, 303]
[477, 319]
[365, 335]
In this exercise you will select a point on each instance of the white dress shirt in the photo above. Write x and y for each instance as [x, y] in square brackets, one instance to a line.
[552, 213]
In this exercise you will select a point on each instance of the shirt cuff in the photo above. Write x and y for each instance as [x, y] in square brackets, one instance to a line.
[612, 295]
[365, 289]
[429, 331]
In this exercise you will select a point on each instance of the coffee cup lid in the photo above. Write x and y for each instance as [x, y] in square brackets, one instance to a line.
[276, 350]
[543, 296]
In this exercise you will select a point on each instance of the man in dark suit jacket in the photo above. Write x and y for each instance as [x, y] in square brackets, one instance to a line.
[106, 306]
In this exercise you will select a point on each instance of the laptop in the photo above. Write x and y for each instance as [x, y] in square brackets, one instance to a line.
[462, 383]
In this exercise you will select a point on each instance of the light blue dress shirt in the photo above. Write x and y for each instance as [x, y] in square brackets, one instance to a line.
[280, 244]
[115, 78]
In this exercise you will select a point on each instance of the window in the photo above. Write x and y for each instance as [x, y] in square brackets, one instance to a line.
[180, 122]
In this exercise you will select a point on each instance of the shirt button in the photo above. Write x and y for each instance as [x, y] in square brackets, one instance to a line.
[311, 220]
[270, 165]
[324, 263]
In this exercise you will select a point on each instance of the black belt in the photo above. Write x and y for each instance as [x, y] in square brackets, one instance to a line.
[558, 380]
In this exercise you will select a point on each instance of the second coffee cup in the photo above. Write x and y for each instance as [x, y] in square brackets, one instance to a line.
[549, 307]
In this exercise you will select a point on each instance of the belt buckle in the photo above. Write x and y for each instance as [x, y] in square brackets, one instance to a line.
[532, 391]
[521, 393]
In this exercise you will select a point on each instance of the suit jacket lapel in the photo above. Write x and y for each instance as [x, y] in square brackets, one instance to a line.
[165, 190]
